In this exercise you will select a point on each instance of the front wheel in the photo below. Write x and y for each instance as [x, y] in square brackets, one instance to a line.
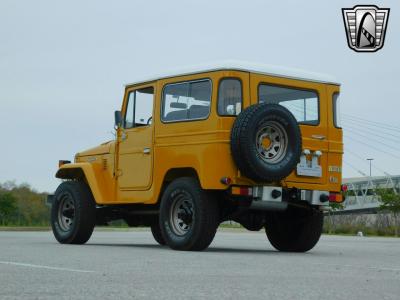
[188, 215]
[294, 230]
[73, 213]
[157, 235]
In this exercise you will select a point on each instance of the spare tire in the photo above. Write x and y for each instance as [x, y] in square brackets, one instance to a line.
[266, 142]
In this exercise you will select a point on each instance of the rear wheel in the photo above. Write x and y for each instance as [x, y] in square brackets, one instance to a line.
[73, 213]
[188, 215]
[294, 230]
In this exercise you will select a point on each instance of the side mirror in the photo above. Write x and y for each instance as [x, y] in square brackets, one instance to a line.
[118, 119]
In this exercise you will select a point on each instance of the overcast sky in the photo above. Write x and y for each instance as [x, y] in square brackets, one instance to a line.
[63, 65]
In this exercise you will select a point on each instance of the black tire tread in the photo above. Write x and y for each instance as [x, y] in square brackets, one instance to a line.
[157, 235]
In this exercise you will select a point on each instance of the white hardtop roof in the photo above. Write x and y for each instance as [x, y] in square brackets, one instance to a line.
[243, 66]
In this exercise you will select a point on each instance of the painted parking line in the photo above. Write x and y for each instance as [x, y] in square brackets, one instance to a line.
[18, 264]
[357, 267]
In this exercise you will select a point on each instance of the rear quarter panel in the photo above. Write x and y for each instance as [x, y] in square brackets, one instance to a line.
[203, 144]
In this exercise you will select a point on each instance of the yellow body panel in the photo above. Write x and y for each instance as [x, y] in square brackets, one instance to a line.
[134, 165]
[94, 176]
[199, 147]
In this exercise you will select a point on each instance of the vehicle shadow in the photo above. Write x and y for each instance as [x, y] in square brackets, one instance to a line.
[240, 250]
[208, 250]
[215, 250]
[150, 246]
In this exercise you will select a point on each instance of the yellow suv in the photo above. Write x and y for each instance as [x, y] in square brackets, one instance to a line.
[231, 141]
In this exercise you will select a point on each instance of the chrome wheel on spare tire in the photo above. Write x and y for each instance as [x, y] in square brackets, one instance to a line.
[189, 215]
[271, 140]
[266, 142]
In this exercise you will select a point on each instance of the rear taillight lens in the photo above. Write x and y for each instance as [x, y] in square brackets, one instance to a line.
[336, 197]
[242, 191]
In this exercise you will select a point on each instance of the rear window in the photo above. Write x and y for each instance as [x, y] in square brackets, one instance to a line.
[303, 104]
[186, 101]
[229, 97]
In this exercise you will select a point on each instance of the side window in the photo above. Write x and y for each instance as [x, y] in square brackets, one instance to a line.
[230, 97]
[144, 106]
[130, 111]
[304, 105]
[139, 111]
[336, 111]
[186, 101]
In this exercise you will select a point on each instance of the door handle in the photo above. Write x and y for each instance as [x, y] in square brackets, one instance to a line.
[146, 150]
[318, 137]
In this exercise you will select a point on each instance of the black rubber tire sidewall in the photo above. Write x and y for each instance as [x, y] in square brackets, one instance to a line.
[157, 234]
[243, 146]
[85, 213]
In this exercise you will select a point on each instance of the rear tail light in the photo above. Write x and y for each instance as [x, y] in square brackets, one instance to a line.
[336, 197]
[242, 191]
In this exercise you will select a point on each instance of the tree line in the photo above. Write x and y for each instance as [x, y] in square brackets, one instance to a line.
[21, 205]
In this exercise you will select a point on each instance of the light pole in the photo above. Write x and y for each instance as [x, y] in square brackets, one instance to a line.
[370, 163]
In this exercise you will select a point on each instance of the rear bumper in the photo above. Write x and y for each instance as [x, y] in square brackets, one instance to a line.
[320, 198]
[273, 198]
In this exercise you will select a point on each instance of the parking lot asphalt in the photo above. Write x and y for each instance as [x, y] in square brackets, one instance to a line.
[238, 265]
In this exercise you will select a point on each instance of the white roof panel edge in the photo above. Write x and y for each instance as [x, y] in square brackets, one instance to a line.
[243, 66]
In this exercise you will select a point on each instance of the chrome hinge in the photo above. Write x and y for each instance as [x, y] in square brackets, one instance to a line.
[309, 167]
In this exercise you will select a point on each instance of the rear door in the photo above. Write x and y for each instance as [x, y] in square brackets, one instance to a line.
[307, 102]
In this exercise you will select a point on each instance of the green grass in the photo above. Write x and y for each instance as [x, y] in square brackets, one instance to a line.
[25, 228]
[348, 229]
